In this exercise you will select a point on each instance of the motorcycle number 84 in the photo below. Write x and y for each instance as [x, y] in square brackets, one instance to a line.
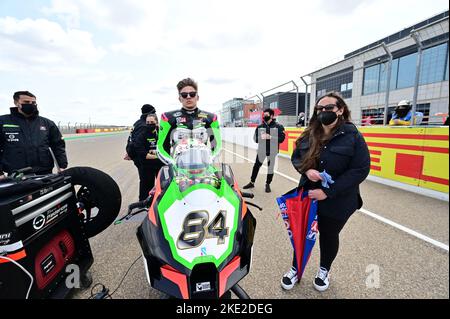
[196, 228]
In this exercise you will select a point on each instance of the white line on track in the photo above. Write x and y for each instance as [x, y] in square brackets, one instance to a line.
[368, 213]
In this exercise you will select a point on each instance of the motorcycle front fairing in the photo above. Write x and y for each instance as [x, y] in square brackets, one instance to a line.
[197, 238]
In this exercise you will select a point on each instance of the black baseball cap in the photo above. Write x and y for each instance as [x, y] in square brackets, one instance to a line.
[148, 109]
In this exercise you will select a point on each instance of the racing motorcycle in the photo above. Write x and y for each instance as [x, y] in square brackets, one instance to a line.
[197, 233]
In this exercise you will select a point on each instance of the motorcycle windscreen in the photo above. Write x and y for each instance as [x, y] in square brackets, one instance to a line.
[194, 158]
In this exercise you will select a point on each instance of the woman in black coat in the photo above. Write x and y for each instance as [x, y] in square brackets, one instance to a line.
[333, 144]
[146, 159]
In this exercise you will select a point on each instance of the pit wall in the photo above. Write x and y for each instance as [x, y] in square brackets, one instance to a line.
[400, 156]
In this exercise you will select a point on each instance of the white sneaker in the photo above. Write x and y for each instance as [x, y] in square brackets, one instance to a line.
[322, 280]
[289, 279]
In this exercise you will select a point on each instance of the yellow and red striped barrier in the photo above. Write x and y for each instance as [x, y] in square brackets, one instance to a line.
[98, 130]
[415, 156]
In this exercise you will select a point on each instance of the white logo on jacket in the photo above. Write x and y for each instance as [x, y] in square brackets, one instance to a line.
[12, 136]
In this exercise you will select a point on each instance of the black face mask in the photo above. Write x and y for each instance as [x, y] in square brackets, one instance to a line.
[29, 109]
[151, 127]
[267, 118]
[402, 112]
[326, 118]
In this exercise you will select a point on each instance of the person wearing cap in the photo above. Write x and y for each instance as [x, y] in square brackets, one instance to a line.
[301, 121]
[141, 149]
[146, 159]
[402, 115]
[27, 139]
[141, 122]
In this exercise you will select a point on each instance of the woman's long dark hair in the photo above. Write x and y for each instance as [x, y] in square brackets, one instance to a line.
[316, 134]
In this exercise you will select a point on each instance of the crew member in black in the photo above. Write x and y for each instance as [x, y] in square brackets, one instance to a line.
[146, 109]
[141, 149]
[146, 160]
[269, 135]
[26, 139]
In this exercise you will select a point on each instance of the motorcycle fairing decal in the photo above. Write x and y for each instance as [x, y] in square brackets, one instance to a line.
[177, 278]
[226, 272]
[172, 213]
[244, 205]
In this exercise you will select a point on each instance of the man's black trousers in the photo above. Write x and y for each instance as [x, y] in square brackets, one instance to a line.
[258, 163]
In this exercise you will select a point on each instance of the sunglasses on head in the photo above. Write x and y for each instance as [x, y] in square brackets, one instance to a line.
[184, 95]
[329, 107]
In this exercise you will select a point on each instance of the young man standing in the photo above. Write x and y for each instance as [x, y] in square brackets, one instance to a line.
[188, 117]
[269, 135]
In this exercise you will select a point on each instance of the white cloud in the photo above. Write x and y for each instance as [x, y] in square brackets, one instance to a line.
[219, 81]
[31, 42]
[163, 90]
[342, 7]
[140, 27]
[137, 26]
[66, 11]
[5, 100]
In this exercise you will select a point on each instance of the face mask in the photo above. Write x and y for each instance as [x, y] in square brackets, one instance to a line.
[326, 118]
[267, 118]
[29, 109]
[402, 112]
[152, 126]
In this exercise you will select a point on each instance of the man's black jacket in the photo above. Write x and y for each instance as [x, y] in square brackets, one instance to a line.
[25, 142]
[346, 158]
[272, 145]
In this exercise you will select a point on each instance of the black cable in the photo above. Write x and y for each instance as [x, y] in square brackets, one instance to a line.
[123, 278]
[99, 295]
[104, 293]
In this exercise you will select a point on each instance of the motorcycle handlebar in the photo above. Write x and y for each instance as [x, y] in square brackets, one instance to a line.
[140, 204]
[247, 195]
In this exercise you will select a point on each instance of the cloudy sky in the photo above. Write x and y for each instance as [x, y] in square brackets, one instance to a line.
[100, 60]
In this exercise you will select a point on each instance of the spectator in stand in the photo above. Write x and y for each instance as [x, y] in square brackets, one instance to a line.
[403, 114]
